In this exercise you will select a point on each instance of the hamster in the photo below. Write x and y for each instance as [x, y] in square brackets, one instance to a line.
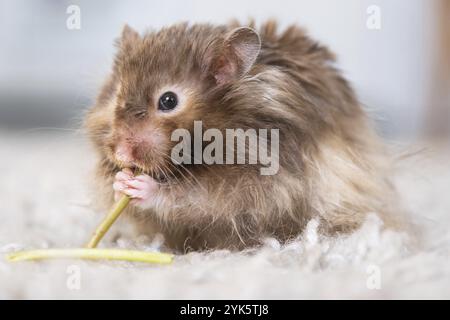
[332, 166]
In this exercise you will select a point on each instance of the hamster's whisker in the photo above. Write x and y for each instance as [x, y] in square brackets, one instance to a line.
[177, 167]
[172, 173]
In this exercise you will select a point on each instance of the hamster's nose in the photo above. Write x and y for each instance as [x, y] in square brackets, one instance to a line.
[124, 154]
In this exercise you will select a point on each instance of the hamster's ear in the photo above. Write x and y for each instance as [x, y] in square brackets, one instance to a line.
[128, 38]
[233, 58]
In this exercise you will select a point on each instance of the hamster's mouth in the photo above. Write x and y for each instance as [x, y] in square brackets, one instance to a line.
[158, 176]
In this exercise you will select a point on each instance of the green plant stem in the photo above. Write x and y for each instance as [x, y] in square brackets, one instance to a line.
[92, 254]
[112, 216]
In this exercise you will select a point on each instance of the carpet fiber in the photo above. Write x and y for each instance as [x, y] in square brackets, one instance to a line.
[45, 203]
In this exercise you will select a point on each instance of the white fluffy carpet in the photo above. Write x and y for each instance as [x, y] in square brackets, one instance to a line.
[44, 202]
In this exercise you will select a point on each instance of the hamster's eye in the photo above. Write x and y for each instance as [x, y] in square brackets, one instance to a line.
[168, 101]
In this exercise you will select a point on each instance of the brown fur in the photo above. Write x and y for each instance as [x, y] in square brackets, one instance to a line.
[332, 164]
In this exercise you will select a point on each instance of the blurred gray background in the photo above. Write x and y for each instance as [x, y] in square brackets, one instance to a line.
[50, 74]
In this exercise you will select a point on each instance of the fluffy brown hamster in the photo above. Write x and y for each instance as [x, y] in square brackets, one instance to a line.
[331, 164]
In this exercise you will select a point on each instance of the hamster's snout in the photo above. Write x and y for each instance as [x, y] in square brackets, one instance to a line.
[135, 151]
[124, 154]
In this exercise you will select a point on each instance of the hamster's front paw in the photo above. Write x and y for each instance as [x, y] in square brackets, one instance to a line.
[141, 188]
